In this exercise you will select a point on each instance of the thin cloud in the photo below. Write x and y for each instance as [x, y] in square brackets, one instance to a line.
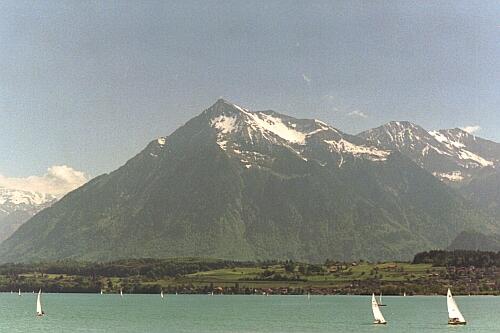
[357, 113]
[471, 129]
[59, 180]
[331, 102]
[306, 78]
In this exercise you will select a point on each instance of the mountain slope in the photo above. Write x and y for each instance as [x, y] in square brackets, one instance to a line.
[485, 192]
[474, 240]
[236, 184]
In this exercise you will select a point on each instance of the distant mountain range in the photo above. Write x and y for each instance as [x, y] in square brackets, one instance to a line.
[452, 155]
[463, 160]
[18, 206]
[236, 184]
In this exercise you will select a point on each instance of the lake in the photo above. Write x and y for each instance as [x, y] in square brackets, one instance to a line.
[203, 313]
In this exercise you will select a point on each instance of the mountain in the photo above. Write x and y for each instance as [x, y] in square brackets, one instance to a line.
[452, 155]
[474, 240]
[485, 192]
[463, 160]
[17, 206]
[236, 184]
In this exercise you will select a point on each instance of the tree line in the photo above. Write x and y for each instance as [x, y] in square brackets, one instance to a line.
[152, 268]
[458, 258]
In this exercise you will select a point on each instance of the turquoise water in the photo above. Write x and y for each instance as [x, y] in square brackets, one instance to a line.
[203, 313]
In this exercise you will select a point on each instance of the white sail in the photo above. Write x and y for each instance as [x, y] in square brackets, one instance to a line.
[380, 299]
[161, 294]
[309, 296]
[121, 292]
[377, 314]
[39, 311]
[454, 314]
[19, 292]
[101, 292]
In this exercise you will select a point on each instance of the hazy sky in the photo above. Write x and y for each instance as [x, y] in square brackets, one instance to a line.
[88, 84]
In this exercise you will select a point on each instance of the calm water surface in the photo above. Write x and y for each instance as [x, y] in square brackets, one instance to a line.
[200, 313]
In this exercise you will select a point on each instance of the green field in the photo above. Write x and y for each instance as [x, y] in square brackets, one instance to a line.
[205, 276]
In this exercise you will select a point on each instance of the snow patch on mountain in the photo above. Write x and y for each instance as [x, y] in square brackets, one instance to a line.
[268, 125]
[445, 140]
[467, 155]
[455, 176]
[452, 155]
[252, 135]
[453, 143]
[13, 200]
[276, 126]
[224, 124]
[21, 198]
[321, 128]
[253, 124]
[401, 132]
[371, 153]
[161, 141]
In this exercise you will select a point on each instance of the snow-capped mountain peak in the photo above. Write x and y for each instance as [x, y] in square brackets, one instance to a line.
[253, 135]
[452, 155]
[13, 200]
[17, 206]
[229, 117]
[450, 137]
[396, 133]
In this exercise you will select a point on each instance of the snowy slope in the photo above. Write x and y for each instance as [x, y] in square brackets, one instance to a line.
[253, 136]
[17, 206]
[12, 199]
[452, 155]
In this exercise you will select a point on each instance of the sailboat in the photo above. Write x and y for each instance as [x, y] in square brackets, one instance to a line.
[380, 300]
[454, 315]
[161, 294]
[121, 292]
[308, 296]
[404, 294]
[101, 292]
[377, 314]
[39, 311]
[19, 293]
